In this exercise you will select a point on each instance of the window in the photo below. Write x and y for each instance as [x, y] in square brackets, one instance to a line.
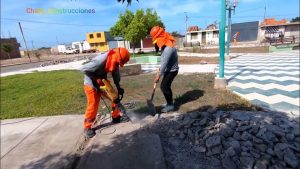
[98, 35]
[215, 34]
[92, 45]
[91, 36]
[194, 36]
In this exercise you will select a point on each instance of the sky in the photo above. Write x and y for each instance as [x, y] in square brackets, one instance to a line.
[49, 29]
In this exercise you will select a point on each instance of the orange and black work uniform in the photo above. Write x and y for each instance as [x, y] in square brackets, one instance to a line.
[95, 72]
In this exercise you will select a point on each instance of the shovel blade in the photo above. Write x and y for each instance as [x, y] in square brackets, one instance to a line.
[151, 108]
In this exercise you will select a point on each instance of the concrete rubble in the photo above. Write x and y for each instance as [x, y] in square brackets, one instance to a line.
[224, 139]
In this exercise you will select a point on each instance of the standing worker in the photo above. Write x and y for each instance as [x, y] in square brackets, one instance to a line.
[97, 85]
[169, 64]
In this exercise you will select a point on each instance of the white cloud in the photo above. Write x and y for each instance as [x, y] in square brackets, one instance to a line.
[172, 8]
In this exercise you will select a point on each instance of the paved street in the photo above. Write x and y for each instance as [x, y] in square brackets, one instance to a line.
[39, 142]
[268, 80]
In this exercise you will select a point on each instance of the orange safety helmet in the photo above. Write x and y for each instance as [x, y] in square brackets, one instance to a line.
[124, 55]
[156, 31]
[116, 57]
[161, 37]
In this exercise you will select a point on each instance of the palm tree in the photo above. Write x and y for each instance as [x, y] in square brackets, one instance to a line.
[128, 1]
[7, 49]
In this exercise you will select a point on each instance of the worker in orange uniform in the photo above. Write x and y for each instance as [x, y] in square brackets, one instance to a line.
[96, 85]
[169, 64]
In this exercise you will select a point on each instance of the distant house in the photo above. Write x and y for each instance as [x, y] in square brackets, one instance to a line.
[13, 44]
[81, 46]
[248, 31]
[271, 28]
[195, 36]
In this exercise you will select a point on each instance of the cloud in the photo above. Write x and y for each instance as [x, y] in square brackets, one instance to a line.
[175, 7]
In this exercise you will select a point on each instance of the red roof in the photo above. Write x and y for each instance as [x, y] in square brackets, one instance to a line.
[193, 28]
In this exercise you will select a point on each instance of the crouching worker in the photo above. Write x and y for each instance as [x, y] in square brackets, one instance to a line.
[96, 84]
[169, 64]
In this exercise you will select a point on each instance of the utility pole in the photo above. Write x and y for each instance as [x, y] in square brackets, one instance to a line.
[265, 10]
[220, 81]
[32, 45]
[230, 7]
[9, 35]
[186, 28]
[186, 19]
[24, 42]
[57, 41]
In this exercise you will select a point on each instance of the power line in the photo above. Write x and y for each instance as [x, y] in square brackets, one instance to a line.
[52, 23]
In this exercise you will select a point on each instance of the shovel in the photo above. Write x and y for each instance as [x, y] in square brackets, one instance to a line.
[151, 107]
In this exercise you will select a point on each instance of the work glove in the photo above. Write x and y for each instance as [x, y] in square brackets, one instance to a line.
[120, 93]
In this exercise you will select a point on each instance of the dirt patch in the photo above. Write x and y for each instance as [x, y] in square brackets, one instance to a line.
[198, 60]
[190, 92]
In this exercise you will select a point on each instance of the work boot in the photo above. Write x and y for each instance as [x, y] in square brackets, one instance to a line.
[164, 105]
[168, 108]
[89, 133]
[117, 119]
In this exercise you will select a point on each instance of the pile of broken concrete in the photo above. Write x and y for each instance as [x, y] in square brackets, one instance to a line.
[230, 140]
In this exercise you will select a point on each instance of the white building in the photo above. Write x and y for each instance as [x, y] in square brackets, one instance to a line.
[81, 46]
[61, 48]
[196, 37]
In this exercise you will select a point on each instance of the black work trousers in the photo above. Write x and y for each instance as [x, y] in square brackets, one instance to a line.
[165, 86]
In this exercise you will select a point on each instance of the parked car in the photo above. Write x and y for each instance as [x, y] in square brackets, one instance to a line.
[89, 51]
[71, 51]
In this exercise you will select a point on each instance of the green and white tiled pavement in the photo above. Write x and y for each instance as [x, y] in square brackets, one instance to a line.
[269, 80]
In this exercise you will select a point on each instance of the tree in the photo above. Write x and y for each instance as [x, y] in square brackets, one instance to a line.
[152, 19]
[7, 49]
[134, 27]
[128, 1]
[137, 29]
[297, 19]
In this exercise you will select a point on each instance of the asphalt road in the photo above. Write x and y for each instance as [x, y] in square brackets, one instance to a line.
[25, 66]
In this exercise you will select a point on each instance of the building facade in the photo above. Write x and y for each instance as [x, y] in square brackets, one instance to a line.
[12, 45]
[272, 29]
[203, 37]
[99, 40]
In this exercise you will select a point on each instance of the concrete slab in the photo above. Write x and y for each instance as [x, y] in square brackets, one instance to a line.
[44, 142]
[123, 146]
[135, 117]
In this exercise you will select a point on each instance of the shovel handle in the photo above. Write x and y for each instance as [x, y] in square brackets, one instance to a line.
[154, 87]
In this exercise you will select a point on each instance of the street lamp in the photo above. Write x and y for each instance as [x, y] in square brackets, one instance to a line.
[220, 81]
[230, 6]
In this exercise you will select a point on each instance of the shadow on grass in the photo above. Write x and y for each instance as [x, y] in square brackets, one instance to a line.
[127, 148]
[189, 96]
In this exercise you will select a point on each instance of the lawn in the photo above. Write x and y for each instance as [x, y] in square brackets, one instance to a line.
[61, 92]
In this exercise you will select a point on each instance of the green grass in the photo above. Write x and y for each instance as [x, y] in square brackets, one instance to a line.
[61, 92]
[42, 94]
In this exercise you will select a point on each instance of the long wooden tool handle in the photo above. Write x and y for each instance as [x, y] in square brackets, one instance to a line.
[154, 87]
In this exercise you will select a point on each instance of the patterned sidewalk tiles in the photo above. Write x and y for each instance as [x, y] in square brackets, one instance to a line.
[268, 80]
